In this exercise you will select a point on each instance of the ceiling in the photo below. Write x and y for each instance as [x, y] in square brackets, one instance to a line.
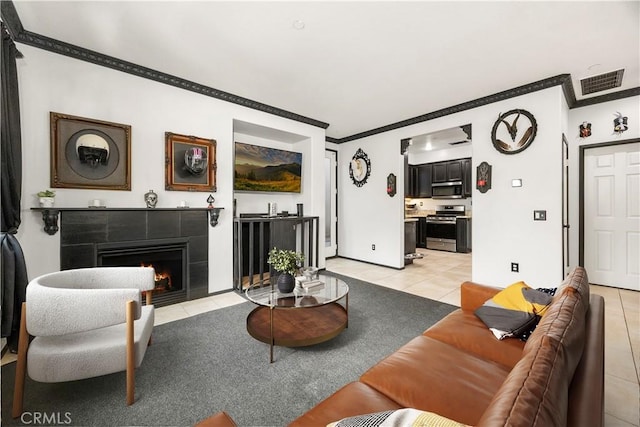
[355, 65]
[440, 140]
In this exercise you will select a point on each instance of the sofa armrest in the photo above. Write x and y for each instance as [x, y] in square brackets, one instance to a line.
[473, 295]
[219, 419]
[586, 393]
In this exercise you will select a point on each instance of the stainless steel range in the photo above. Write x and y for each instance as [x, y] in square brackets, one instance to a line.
[441, 227]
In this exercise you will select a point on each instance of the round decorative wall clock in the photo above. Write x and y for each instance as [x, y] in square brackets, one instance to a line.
[514, 131]
[360, 168]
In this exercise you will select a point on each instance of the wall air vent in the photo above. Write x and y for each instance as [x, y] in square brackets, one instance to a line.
[601, 82]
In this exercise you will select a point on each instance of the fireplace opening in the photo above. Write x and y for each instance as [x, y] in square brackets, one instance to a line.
[169, 262]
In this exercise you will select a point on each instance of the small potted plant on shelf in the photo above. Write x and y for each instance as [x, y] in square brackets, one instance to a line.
[46, 198]
[287, 263]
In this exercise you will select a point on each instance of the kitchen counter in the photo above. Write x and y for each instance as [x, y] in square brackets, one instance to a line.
[425, 214]
[411, 219]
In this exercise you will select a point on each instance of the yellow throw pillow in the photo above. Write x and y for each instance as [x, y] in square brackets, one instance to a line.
[514, 310]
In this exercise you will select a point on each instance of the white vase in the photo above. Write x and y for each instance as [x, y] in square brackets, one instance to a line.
[47, 202]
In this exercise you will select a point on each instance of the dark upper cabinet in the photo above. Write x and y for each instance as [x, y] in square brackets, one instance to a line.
[418, 180]
[454, 170]
[421, 177]
[423, 180]
[411, 181]
[439, 172]
[447, 171]
[467, 186]
[408, 191]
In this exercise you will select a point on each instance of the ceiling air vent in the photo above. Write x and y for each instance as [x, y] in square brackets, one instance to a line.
[602, 82]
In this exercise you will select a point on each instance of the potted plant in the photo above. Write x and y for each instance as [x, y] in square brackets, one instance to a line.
[46, 198]
[287, 263]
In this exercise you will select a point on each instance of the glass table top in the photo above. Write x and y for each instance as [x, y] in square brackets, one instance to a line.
[331, 290]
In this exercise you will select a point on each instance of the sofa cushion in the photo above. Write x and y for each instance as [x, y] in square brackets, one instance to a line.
[514, 310]
[398, 418]
[464, 330]
[433, 376]
[355, 398]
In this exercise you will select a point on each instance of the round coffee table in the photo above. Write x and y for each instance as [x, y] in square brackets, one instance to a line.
[300, 318]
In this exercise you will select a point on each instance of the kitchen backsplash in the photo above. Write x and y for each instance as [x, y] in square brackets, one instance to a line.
[425, 207]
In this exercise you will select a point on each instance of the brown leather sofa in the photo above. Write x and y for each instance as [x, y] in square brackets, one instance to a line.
[459, 370]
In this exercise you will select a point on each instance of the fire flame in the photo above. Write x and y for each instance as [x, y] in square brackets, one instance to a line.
[162, 279]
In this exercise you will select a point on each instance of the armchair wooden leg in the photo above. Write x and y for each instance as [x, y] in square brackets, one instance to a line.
[149, 297]
[131, 353]
[21, 364]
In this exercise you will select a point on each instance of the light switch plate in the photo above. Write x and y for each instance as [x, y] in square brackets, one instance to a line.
[539, 215]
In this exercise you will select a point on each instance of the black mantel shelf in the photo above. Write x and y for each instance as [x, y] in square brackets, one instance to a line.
[50, 215]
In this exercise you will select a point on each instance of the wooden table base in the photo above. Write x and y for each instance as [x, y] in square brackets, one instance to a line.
[297, 327]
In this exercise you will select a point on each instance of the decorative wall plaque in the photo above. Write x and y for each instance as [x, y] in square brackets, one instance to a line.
[514, 131]
[391, 185]
[483, 174]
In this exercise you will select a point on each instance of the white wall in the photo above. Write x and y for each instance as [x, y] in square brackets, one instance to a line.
[51, 82]
[503, 226]
[601, 118]
[451, 153]
[367, 215]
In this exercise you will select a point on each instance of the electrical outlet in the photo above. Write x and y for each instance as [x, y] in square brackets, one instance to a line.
[373, 247]
[515, 267]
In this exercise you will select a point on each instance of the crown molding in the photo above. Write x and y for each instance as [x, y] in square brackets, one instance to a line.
[19, 34]
[10, 18]
[613, 96]
[563, 80]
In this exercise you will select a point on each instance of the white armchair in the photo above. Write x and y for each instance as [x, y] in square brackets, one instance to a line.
[86, 323]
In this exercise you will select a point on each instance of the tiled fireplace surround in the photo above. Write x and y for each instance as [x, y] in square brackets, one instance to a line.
[85, 233]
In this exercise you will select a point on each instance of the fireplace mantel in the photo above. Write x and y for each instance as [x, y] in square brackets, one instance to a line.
[50, 215]
[85, 234]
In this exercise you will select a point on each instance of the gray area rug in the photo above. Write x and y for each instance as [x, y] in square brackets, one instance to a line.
[207, 363]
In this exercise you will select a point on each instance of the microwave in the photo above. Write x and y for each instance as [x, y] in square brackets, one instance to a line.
[447, 190]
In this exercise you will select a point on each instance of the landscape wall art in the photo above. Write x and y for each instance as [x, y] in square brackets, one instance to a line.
[260, 168]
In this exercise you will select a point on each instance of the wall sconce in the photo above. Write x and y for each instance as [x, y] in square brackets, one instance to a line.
[516, 182]
[483, 174]
[214, 214]
[391, 185]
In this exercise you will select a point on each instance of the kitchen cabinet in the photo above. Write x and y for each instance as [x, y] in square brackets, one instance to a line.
[463, 235]
[454, 170]
[447, 171]
[467, 186]
[423, 180]
[421, 233]
[439, 172]
[419, 178]
[409, 238]
[418, 181]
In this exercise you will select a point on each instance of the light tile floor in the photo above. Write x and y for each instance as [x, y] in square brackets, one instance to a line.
[438, 276]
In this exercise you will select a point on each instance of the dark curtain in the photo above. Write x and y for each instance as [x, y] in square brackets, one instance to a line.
[14, 271]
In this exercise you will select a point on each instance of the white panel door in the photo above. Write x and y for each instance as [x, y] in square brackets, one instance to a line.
[612, 215]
